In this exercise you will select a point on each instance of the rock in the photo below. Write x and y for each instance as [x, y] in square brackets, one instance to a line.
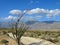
[35, 41]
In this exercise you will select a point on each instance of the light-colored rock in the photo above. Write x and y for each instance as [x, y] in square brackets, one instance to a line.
[11, 35]
[35, 41]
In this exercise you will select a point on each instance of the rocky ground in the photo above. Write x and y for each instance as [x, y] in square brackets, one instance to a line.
[26, 41]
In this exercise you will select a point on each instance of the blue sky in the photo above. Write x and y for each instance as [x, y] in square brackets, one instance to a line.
[7, 5]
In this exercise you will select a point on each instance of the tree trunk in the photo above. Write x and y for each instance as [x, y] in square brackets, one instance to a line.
[19, 41]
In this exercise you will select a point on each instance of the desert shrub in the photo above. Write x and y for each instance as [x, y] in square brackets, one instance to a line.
[52, 36]
[39, 34]
[4, 41]
[59, 34]
[54, 40]
[31, 35]
[4, 32]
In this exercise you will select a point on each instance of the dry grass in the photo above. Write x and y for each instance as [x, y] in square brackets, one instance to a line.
[11, 41]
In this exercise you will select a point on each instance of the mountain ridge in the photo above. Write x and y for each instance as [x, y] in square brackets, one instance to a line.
[37, 25]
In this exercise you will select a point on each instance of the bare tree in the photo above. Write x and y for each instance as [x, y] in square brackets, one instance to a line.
[18, 27]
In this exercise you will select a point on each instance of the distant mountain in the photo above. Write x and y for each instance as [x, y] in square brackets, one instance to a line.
[49, 22]
[31, 22]
[4, 24]
[37, 25]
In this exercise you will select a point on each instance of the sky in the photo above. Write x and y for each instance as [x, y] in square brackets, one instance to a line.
[39, 10]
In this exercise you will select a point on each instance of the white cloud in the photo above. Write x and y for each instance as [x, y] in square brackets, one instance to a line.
[36, 11]
[10, 17]
[39, 16]
[48, 13]
[53, 13]
[15, 12]
[26, 18]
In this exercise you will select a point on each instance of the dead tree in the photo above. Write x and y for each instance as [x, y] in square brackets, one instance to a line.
[18, 29]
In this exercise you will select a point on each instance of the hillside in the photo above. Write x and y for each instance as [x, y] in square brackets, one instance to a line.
[36, 25]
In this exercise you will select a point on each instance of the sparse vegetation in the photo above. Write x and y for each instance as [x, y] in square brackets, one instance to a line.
[52, 36]
[5, 41]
